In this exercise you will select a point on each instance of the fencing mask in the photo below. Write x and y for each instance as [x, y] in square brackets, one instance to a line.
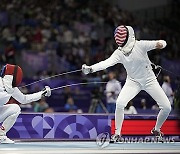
[13, 73]
[125, 38]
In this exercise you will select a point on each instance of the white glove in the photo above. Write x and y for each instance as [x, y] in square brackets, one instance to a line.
[7, 82]
[46, 91]
[163, 43]
[86, 69]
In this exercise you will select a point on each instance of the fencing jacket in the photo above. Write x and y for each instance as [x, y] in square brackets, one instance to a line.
[137, 64]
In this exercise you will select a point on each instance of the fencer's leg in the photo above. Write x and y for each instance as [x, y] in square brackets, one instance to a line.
[128, 92]
[157, 93]
[9, 114]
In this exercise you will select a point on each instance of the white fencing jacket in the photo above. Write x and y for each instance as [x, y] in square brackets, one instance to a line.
[17, 95]
[137, 64]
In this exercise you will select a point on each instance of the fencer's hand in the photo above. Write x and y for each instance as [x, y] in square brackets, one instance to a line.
[46, 91]
[86, 69]
[161, 44]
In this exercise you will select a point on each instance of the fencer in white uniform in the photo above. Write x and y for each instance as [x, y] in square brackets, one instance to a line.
[11, 76]
[133, 55]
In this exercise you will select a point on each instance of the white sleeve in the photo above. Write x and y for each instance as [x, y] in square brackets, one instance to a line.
[148, 45]
[28, 98]
[112, 60]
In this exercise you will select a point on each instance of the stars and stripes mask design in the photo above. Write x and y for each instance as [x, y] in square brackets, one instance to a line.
[121, 35]
[125, 38]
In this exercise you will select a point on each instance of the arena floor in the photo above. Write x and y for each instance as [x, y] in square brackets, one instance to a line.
[47, 147]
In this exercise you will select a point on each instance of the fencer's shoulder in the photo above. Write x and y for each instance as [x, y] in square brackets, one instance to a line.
[141, 42]
[146, 41]
[118, 51]
[146, 44]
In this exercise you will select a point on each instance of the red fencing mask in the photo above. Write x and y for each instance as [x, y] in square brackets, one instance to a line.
[15, 71]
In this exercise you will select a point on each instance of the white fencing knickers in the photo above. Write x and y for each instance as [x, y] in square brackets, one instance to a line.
[130, 90]
[8, 115]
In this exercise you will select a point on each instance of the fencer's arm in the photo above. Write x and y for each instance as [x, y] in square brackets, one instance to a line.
[26, 98]
[150, 45]
[112, 60]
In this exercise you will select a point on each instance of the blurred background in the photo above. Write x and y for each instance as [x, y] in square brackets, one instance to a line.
[48, 37]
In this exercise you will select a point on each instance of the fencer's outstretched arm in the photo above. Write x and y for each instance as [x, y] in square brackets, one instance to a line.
[28, 98]
[112, 60]
[150, 45]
